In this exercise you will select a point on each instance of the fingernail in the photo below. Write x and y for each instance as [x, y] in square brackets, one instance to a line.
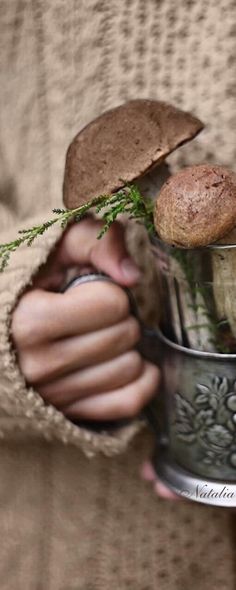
[130, 269]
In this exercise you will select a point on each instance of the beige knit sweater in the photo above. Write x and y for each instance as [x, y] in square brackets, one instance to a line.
[67, 521]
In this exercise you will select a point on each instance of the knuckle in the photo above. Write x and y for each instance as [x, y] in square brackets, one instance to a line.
[135, 362]
[133, 330]
[154, 375]
[117, 300]
[121, 304]
[25, 318]
[30, 368]
[17, 329]
[149, 387]
[39, 304]
[23, 332]
[18, 323]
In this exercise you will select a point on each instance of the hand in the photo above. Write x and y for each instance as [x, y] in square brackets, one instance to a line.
[149, 475]
[78, 348]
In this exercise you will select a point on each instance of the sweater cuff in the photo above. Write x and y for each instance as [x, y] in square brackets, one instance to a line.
[22, 410]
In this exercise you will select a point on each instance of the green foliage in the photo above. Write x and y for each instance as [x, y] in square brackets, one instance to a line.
[127, 200]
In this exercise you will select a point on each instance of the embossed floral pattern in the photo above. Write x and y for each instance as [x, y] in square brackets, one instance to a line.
[210, 421]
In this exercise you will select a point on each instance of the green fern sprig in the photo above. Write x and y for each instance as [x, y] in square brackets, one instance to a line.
[127, 200]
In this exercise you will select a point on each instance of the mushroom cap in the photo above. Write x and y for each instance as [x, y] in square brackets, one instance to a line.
[196, 206]
[121, 145]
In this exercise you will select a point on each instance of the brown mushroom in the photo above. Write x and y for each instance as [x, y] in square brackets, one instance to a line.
[197, 206]
[121, 145]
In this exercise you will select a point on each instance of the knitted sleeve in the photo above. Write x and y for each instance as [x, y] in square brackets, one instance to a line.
[22, 410]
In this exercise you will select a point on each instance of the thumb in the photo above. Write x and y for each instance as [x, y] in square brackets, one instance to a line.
[80, 246]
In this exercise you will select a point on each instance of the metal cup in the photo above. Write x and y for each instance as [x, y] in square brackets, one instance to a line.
[196, 441]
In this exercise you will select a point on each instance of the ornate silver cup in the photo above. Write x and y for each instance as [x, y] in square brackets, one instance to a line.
[196, 450]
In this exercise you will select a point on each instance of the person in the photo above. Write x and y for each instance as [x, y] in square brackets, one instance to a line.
[77, 516]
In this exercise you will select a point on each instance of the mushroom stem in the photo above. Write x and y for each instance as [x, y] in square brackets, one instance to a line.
[175, 315]
[186, 305]
[193, 310]
[224, 285]
[152, 181]
[206, 333]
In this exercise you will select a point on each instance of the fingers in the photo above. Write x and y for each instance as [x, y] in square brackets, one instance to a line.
[107, 376]
[43, 316]
[148, 474]
[164, 492]
[59, 358]
[125, 402]
[80, 246]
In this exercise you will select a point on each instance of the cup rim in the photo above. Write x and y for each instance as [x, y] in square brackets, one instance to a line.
[155, 240]
[221, 356]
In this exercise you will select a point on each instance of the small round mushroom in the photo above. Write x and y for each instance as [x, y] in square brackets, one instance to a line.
[122, 145]
[196, 206]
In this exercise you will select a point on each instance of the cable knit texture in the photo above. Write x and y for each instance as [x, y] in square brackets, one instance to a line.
[69, 523]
